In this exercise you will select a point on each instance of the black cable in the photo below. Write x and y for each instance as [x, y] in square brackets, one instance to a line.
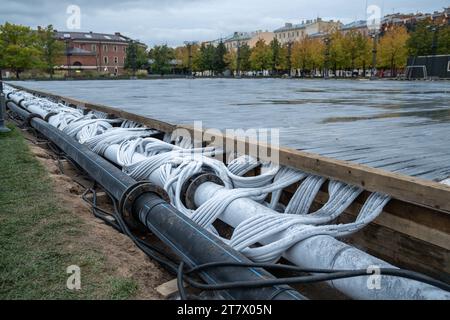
[327, 275]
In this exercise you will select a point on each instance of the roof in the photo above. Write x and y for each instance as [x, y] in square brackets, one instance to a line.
[92, 36]
[290, 26]
[355, 25]
[237, 36]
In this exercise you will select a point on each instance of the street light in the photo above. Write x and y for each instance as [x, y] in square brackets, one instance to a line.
[374, 55]
[289, 57]
[326, 71]
[189, 45]
[67, 42]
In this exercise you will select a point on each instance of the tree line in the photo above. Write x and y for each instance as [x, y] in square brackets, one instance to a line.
[22, 48]
[309, 56]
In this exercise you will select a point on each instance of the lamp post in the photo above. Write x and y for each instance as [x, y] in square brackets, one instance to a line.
[289, 57]
[68, 54]
[189, 45]
[374, 55]
[3, 128]
[326, 71]
[238, 59]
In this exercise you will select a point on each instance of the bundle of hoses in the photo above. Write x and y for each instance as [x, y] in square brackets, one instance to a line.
[264, 236]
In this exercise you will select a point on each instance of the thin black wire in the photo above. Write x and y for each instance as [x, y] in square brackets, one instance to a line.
[324, 275]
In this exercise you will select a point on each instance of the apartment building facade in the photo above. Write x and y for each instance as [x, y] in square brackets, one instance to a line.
[249, 38]
[296, 32]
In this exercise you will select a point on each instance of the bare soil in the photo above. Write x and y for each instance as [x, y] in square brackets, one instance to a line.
[123, 257]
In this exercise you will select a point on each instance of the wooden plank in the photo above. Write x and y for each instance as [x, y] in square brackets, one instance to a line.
[168, 288]
[402, 187]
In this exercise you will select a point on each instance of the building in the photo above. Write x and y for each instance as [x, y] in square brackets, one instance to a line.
[411, 19]
[248, 38]
[296, 32]
[356, 26]
[94, 51]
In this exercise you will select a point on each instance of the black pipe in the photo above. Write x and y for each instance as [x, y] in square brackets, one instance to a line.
[192, 243]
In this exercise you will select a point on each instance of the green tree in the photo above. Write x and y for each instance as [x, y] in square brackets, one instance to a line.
[19, 49]
[278, 56]
[245, 53]
[261, 56]
[162, 57]
[352, 48]
[443, 40]
[421, 40]
[206, 57]
[136, 57]
[231, 60]
[219, 63]
[365, 54]
[52, 49]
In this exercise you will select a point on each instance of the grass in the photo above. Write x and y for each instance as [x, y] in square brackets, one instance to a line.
[39, 239]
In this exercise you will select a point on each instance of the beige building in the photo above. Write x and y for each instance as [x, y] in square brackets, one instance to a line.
[295, 32]
[248, 38]
[356, 26]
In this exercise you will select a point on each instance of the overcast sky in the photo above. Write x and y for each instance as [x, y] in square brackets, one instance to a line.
[174, 21]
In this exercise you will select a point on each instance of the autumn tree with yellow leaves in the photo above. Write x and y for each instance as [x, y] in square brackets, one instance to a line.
[393, 51]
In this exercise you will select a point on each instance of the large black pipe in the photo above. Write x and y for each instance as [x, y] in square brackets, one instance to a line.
[192, 243]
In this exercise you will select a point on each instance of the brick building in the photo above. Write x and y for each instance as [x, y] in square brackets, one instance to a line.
[94, 51]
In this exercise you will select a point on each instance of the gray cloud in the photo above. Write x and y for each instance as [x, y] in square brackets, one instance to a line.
[173, 21]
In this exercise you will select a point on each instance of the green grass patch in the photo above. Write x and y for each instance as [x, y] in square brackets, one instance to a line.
[39, 239]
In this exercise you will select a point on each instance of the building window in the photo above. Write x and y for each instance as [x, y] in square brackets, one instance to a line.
[105, 60]
[448, 67]
[116, 60]
[105, 48]
[298, 33]
[115, 48]
[124, 49]
[94, 48]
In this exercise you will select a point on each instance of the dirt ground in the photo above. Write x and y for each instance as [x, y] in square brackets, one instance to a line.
[122, 255]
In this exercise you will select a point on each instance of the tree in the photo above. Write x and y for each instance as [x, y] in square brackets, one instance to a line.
[244, 57]
[182, 55]
[162, 57]
[206, 57]
[421, 41]
[336, 54]
[136, 57]
[261, 56]
[278, 56]
[52, 49]
[231, 60]
[302, 54]
[365, 54]
[219, 64]
[352, 48]
[393, 49]
[19, 50]
[317, 52]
